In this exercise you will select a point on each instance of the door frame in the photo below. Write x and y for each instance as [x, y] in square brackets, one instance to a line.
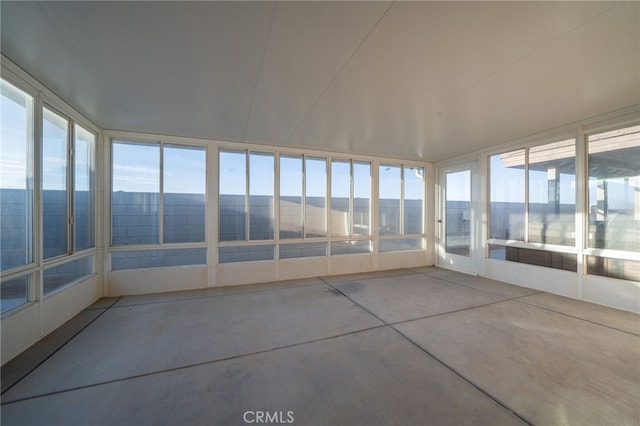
[449, 260]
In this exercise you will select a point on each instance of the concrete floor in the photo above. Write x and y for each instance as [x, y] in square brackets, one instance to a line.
[408, 347]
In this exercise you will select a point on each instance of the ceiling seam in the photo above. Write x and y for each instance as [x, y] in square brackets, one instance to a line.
[515, 61]
[255, 86]
[335, 76]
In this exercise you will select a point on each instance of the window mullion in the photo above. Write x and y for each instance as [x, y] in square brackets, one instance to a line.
[401, 230]
[70, 187]
[34, 183]
[526, 194]
[161, 197]
[247, 196]
[303, 201]
[351, 197]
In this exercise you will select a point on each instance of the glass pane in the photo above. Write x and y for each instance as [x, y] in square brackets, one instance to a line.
[54, 184]
[84, 168]
[315, 217]
[401, 244]
[261, 187]
[614, 190]
[16, 177]
[361, 198]
[14, 293]
[142, 259]
[184, 177]
[233, 195]
[291, 197]
[497, 252]
[548, 259]
[389, 199]
[290, 251]
[614, 268]
[457, 233]
[507, 195]
[135, 193]
[340, 197]
[245, 254]
[61, 276]
[413, 199]
[350, 247]
[552, 193]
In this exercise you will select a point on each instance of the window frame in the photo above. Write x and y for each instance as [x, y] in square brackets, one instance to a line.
[585, 250]
[580, 135]
[136, 139]
[402, 235]
[35, 270]
[525, 243]
[247, 197]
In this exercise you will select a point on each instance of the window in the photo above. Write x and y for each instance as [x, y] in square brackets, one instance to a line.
[350, 247]
[507, 193]
[138, 194]
[183, 195]
[350, 198]
[141, 259]
[540, 181]
[68, 186]
[84, 192]
[361, 198]
[135, 195]
[291, 190]
[341, 198]
[55, 135]
[261, 188]
[233, 195]
[61, 276]
[552, 193]
[14, 293]
[614, 190]
[546, 258]
[549, 172]
[457, 233]
[66, 167]
[613, 268]
[303, 196]
[239, 196]
[16, 179]
[413, 196]
[298, 250]
[315, 200]
[390, 192]
[158, 197]
[400, 244]
[246, 253]
[401, 199]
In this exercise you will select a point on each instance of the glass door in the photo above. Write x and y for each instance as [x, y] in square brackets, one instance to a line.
[456, 220]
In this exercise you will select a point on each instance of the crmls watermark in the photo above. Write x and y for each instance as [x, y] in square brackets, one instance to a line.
[272, 417]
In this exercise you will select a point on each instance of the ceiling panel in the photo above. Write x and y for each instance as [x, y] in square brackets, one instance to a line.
[308, 44]
[589, 72]
[415, 80]
[177, 68]
[391, 96]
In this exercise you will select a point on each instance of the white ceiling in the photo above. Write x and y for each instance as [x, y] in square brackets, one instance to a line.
[415, 80]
